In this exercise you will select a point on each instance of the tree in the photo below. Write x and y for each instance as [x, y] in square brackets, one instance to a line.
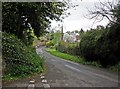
[103, 45]
[76, 31]
[68, 32]
[18, 16]
[81, 32]
[107, 10]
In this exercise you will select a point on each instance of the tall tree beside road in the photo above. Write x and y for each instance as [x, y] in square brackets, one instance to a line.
[107, 9]
[103, 44]
[19, 16]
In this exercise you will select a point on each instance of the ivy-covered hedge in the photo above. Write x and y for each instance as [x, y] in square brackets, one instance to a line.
[19, 59]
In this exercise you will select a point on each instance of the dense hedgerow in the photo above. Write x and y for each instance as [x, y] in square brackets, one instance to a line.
[101, 46]
[97, 45]
[49, 43]
[20, 60]
[70, 48]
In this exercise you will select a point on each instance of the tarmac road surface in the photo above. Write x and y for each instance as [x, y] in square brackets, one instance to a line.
[63, 73]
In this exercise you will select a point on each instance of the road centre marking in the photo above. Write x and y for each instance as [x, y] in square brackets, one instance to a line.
[73, 68]
[42, 77]
[103, 76]
[44, 81]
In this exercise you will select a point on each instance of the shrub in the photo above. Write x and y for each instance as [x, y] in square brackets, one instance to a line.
[20, 60]
[88, 45]
[61, 46]
[49, 43]
[101, 46]
[70, 48]
[115, 67]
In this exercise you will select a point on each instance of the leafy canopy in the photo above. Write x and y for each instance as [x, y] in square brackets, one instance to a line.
[19, 16]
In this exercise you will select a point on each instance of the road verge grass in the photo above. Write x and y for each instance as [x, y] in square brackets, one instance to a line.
[80, 60]
[64, 55]
[71, 57]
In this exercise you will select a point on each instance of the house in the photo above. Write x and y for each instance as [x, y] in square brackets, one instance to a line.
[71, 37]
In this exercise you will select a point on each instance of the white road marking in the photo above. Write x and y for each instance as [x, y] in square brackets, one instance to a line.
[44, 81]
[46, 86]
[42, 77]
[99, 75]
[31, 86]
[32, 81]
[73, 68]
[103, 76]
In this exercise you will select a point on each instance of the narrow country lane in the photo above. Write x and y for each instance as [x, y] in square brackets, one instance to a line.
[62, 73]
[31, 29]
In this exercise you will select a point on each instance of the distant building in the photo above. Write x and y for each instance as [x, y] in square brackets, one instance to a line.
[71, 37]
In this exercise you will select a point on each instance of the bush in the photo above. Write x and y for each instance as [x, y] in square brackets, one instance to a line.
[115, 67]
[70, 48]
[101, 46]
[20, 60]
[88, 45]
[49, 43]
[61, 46]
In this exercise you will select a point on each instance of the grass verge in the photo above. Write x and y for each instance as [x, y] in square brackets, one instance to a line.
[66, 56]
[71, 57]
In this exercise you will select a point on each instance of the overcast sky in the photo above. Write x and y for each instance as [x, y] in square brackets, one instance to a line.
[76, 20]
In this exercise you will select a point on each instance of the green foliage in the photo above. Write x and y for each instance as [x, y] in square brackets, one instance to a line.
[88, 43]
[49, 43]
[115, 67]
[17, 16]
[61, 47]
[65, 56]
[57, 37]
[93, 63]
[70, 48]
[72, 58]
[20, 60]
[101, 46]
[28, 37]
